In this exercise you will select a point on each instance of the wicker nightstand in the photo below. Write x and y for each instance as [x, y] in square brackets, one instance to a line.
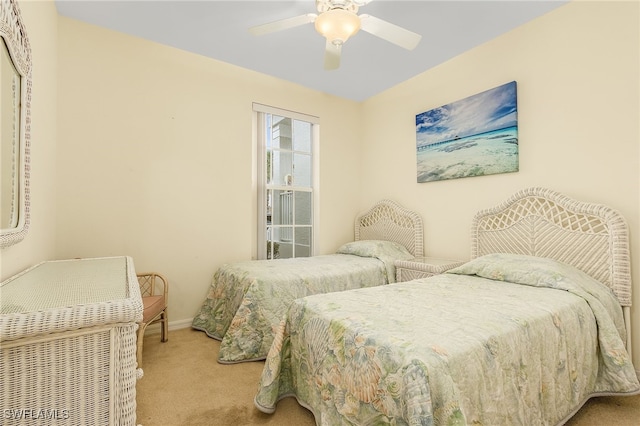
[422, 267]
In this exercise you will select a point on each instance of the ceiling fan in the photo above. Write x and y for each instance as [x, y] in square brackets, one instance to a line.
[337, 20]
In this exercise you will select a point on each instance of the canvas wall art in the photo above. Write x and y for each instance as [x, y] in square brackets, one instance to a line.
[474, 136]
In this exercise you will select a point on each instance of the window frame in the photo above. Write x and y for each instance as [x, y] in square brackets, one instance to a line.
[259, 181]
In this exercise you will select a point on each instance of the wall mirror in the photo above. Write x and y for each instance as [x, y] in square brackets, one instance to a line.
[15, 121]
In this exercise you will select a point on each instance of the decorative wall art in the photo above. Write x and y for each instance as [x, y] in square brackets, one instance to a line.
[474, 136]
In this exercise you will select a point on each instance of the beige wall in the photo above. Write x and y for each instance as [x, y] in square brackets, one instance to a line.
[41, 19]
[578, 123]
[155, 157]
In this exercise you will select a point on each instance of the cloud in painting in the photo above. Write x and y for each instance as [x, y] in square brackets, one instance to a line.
[484, 112]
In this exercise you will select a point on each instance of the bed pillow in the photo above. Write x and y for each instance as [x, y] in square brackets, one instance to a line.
[521, 269]
[538, 272]
[376, 248]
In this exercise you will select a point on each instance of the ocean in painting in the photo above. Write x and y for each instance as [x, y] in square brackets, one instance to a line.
[481, 154]
[474, 136]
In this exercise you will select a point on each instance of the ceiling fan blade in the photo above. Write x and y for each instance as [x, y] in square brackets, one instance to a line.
[390, 32]
[283, 24]
[332, 56]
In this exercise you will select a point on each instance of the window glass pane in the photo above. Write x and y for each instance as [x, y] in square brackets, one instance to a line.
[273, 131]
[301, 136]
[269, 210]
[282, 167]
[282, 208]
[269, 167]
[303, 242]
[273, 247]
[286, 235]
[268, 119]
[303, 208]
[281, 132]
[285, 250]
[302, 170]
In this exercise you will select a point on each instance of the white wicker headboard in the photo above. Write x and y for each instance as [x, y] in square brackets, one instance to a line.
[387, 220]
[540, 222]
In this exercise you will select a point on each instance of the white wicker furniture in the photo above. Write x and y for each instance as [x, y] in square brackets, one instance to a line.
[423, 267]
[68, 343]
[16, 174]
[540, 222]
[389, 221]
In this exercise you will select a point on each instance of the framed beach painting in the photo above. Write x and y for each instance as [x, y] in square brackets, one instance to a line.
[474, 136]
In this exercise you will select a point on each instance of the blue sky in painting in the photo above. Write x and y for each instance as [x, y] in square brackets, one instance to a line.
[484, 112]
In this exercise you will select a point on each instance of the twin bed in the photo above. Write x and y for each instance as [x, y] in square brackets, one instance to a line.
[524, 333]
[246, 300]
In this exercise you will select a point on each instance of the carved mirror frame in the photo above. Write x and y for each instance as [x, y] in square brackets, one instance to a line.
[14, 34]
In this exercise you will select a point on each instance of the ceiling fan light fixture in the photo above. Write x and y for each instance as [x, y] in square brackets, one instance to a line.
[337, 25]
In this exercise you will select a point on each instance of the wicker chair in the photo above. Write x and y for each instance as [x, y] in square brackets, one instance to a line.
[154, 289]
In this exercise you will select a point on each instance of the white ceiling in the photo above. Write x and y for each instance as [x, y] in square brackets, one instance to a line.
[369, 65]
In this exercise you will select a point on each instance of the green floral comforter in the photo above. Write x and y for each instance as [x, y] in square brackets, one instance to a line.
[501, 340]
[247, 300]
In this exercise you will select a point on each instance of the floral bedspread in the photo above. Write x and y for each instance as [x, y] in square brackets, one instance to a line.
[500, 340]
[247, 300]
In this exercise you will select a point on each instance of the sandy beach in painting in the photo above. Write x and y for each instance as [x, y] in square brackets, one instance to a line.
[481, 154]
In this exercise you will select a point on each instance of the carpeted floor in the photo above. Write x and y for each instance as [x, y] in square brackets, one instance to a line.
[183, 384]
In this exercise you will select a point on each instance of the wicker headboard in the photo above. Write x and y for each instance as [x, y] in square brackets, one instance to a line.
[540, 222]
[389, 221]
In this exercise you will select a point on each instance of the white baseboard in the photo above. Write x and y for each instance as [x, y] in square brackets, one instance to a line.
[173, 325]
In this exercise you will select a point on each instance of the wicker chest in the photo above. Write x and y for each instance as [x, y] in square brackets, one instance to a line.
[68, 343]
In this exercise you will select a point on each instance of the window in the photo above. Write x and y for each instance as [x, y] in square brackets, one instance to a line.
[286, 183]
